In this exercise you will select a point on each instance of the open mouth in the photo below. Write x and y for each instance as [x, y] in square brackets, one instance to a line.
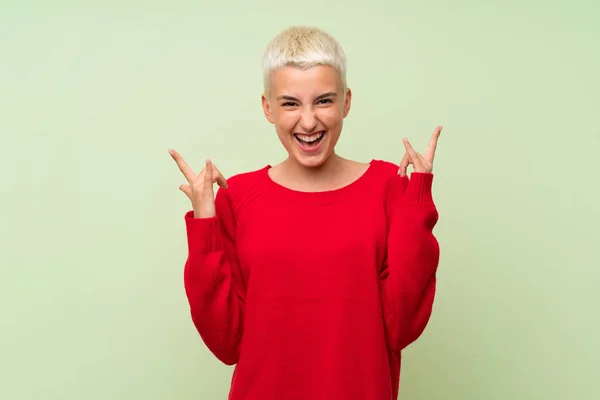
[310, 141]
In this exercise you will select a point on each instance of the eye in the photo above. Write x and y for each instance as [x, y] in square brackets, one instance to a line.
[288, 104]
[325, 101]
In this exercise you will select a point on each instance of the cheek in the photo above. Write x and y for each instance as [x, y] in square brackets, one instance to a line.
[332, 117]
[285, 122]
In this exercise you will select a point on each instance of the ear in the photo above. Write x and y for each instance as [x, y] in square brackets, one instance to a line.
[347, 102]
[267, 108]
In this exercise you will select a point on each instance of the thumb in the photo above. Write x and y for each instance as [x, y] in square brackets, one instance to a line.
[404, 165]
[187, 190]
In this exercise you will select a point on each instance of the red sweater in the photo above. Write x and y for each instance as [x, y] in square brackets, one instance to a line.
[314, 295]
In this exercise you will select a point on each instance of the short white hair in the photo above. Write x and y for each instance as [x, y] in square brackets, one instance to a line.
[303, 47]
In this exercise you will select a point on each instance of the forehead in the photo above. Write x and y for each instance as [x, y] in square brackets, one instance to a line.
[305, 82]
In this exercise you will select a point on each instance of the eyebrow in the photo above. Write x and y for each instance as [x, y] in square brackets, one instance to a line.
[320, 97]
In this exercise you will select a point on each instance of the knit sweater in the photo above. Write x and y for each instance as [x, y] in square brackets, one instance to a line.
[313, 295]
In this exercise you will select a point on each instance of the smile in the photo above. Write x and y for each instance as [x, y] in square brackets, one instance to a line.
[310, 142]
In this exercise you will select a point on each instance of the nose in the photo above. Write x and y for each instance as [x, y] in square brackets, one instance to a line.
[308, 120]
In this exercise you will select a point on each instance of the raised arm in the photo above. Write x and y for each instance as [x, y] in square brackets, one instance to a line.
[408, 281]
[212, 279]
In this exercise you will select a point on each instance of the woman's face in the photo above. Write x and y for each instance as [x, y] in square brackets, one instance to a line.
[308, 108]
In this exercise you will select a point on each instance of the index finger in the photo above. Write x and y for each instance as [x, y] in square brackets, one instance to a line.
[412, 154]
[183, 167]
[430, 153]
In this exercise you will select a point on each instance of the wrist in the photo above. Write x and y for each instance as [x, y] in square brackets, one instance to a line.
[203, 214]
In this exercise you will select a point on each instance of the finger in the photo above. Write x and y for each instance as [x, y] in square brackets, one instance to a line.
[183, 167]
[187, 190]
[208, 171]
[218, 177]
[404, 165]
[430, 153]
[413, 156]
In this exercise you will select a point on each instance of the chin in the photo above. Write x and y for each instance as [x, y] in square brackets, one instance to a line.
[312, 162]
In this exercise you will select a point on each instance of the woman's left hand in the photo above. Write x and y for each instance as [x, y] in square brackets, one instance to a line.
[420, 163]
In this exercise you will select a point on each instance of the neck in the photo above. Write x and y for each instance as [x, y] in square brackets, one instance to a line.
[321, 176]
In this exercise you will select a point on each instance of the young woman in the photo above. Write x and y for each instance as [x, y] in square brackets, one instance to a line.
[312, 275]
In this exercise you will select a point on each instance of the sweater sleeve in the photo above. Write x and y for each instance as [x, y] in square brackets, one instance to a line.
[213, 282]
[409, 277]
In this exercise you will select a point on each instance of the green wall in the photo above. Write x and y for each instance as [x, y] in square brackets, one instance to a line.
[93, 241]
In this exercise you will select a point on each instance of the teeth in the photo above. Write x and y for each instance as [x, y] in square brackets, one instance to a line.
[309, 138]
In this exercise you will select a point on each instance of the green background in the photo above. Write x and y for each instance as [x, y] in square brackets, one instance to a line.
[93, 242]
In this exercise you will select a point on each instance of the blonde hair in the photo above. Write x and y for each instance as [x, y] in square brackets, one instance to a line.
[303, 47]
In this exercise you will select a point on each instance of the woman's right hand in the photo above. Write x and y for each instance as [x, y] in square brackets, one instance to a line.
[200, 187]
